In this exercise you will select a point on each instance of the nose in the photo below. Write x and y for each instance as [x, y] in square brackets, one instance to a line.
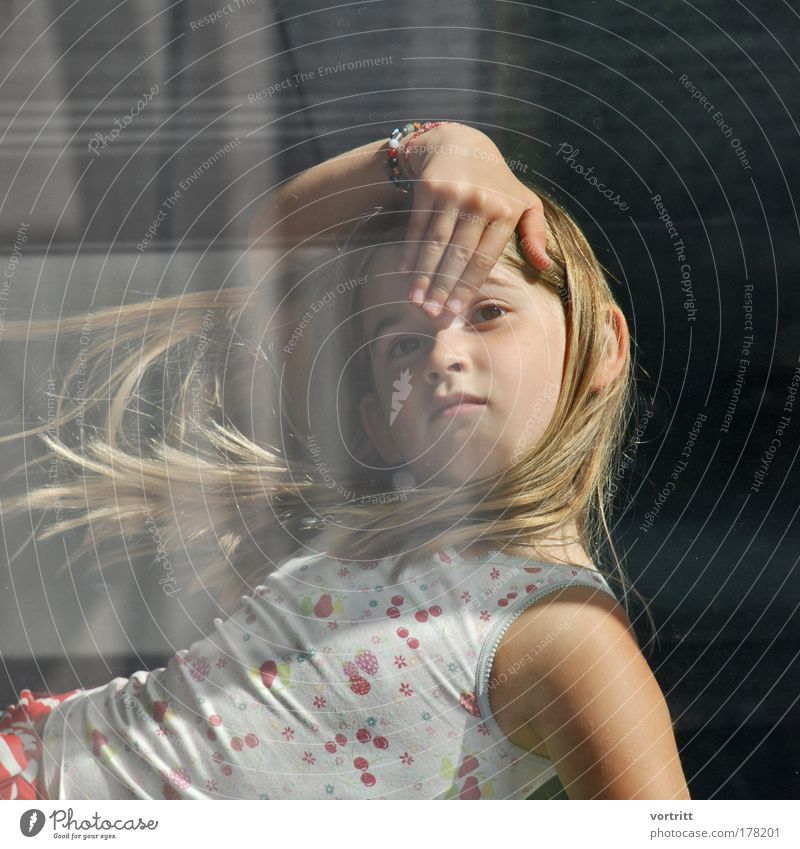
[448, 351]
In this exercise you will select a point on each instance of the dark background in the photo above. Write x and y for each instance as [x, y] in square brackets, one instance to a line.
[718, 563]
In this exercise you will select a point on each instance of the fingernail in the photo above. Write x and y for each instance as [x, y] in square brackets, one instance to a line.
[418, 296]
[454, 305]
[432, 308]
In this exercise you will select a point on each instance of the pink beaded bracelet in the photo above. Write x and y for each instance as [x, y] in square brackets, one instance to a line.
[429, 125]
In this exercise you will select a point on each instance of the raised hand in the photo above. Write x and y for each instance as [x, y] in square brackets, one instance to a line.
[466, 205]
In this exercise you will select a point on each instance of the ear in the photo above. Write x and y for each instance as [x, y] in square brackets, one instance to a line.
[377, 428]
[616, 351]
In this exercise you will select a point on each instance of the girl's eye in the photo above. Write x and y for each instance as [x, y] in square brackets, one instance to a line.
[485, 307]
[398, 350]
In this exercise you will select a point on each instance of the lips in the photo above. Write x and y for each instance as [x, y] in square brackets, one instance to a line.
[456, 399]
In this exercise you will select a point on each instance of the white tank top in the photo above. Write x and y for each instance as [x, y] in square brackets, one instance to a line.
[327, 682]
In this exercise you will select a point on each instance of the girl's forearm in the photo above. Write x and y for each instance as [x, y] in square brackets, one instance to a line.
[321, 202]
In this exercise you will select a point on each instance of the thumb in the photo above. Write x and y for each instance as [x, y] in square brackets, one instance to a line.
[533, 236]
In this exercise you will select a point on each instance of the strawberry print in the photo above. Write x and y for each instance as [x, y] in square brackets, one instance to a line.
[360, 686]
[469, 701]
[368, 664]
[367, 661]
[199, 668]
[180, 778]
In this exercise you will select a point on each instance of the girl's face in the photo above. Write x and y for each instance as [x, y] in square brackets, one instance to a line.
[503, 353]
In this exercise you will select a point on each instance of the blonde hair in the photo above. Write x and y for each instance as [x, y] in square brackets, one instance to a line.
[241, 498]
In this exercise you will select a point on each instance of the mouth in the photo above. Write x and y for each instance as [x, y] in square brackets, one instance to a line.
[453, 406]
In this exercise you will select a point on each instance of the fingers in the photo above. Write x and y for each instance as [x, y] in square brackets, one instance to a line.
[431, 249]
[483, 259]
[533, 235]
[459, 254]
[418, 225]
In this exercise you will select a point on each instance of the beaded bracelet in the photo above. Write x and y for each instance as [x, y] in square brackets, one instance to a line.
[428, 125]
[395, 172]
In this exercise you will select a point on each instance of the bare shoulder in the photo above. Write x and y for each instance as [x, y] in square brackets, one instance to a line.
[571, 683]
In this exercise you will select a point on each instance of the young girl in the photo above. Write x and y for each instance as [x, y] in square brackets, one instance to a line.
[446, 631]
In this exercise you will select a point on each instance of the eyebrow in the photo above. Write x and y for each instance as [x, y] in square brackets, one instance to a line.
[395, 316]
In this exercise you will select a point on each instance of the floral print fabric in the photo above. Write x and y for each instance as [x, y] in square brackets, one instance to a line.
[329, 681]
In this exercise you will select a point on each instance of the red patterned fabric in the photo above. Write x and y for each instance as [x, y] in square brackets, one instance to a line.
[20, 746]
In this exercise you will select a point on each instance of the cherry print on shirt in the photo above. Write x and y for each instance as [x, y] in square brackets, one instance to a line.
[219, 760]
[363, 738]
[159, 710]
[503, 602]
[421, 616]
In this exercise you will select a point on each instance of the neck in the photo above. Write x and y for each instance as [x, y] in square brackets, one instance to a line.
[554, 548]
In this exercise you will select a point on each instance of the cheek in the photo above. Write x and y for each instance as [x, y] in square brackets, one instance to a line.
[531, 378]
